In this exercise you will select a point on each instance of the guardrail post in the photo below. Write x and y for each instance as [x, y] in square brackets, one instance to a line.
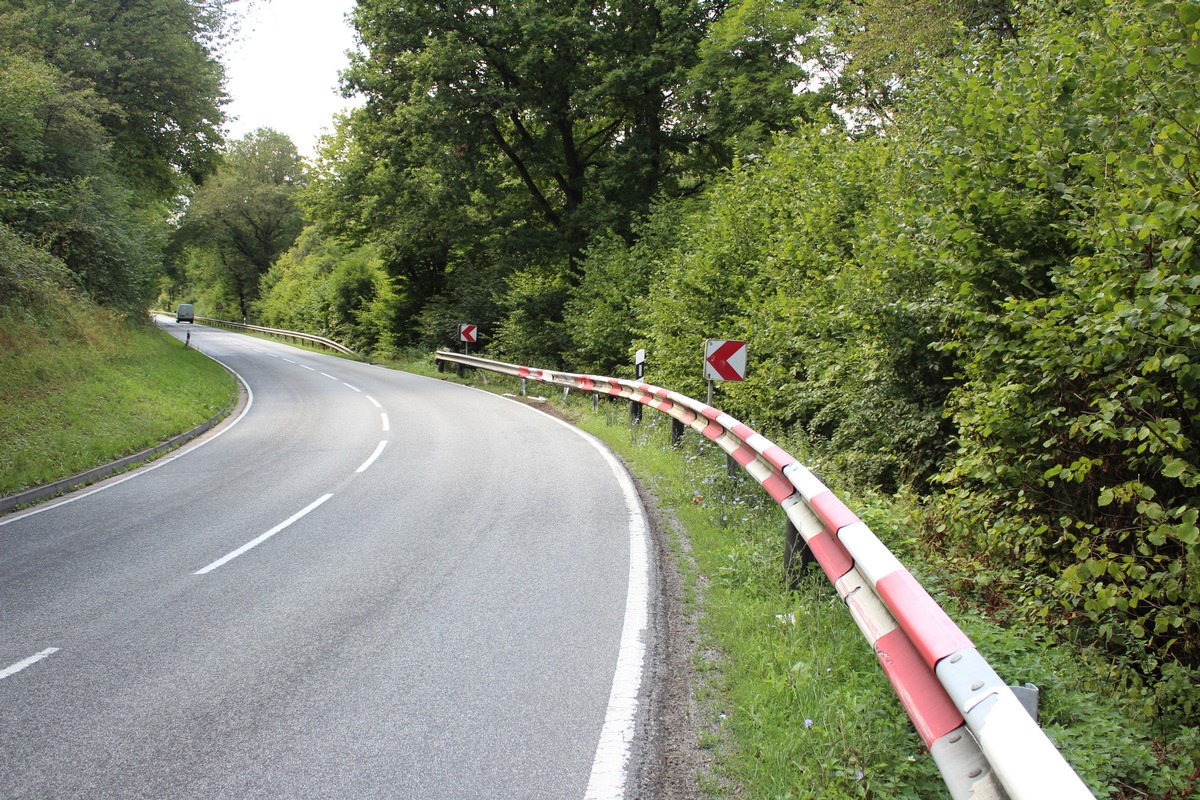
[794, 547]
[677, 429]
[441, 365]
[639, 370]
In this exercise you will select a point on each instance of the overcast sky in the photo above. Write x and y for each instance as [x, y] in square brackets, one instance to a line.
[282, 72]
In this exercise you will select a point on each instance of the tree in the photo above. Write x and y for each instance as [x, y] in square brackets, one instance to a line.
[499, 140]
[153, 62]
[107, 110]
[246, 216]
[877, 47]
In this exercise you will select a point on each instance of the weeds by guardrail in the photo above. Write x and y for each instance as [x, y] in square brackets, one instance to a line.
[986, 744]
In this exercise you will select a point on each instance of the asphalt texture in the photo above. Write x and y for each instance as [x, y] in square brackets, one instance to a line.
[442, 622]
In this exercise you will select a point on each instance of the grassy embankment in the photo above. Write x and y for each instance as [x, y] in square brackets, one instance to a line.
[80, 387]
[793, 702]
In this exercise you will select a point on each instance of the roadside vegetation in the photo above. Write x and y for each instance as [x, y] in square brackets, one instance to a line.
[82, 385]
[792, 702]
[958, 235]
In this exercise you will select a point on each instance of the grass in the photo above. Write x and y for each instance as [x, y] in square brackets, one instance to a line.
[80, 387]
[794, 703]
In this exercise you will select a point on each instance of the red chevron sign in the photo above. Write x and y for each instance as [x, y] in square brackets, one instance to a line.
[724, 360]
[467, 333]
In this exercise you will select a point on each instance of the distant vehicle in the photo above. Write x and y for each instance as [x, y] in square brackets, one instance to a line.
[185, 313]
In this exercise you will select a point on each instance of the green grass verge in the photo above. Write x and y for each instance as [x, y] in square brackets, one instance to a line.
[80, 387]
[794, 703]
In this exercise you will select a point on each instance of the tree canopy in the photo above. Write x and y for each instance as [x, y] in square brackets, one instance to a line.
[107, 110]
[246, 216]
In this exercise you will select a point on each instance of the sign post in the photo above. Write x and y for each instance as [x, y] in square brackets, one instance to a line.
[467, 333]
[639, 371]
[724, 360]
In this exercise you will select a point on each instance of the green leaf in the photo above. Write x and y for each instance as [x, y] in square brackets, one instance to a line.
[1174, 467]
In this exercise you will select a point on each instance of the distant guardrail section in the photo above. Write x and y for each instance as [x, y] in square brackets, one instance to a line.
[984, 741]
[283, 334]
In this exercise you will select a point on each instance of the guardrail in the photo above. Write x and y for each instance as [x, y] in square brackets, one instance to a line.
[293, 335]
[985, 743]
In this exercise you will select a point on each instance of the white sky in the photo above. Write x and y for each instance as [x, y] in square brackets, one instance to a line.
[282, 71]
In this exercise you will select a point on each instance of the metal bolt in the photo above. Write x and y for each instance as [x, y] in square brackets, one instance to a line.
[957, 657]
[975, 773]
[976, 686]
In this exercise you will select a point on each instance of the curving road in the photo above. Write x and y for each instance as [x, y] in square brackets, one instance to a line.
[369, 584]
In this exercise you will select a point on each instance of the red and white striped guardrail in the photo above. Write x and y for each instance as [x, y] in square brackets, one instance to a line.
[985, 743]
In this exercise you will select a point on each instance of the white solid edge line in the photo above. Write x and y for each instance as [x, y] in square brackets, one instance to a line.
[183, 451]
[610, 766]
[366, 464]
[28, 662]
[256, 542]
[611, 762]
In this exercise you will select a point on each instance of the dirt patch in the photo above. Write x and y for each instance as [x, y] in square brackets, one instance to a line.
[670, 764]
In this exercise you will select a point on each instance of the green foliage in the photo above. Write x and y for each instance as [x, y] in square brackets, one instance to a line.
[1063, 212]
[488, 149]
[603, 311]
[783, 254]
[321, 287]
[107, 110]
[153, 65]
[29, 276]
[81, 386]
[246, 216]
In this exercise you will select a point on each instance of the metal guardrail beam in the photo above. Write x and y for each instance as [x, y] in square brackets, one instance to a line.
[297, 335]
[984, 742]
[302, 337]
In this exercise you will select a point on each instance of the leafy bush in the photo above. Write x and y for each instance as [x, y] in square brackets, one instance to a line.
[1062, 214]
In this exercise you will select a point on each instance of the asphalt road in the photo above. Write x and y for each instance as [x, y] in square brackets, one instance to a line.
[371, 584]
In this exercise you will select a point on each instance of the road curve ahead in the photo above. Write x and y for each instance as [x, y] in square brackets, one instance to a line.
[371, 584]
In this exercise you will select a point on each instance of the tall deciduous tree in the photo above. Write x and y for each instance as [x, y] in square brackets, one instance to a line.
[153, 61]
[246, 216]
[500, 139]
[107, 110]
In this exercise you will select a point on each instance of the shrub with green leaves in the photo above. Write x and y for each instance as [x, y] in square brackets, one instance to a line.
[1060, 177]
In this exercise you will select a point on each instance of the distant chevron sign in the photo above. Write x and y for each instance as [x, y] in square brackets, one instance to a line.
[724, 360]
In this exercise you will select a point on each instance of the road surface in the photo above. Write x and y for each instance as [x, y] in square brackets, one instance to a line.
[367, 584]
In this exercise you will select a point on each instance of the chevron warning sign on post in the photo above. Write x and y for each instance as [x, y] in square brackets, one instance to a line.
[724, 360]
[467, 333]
